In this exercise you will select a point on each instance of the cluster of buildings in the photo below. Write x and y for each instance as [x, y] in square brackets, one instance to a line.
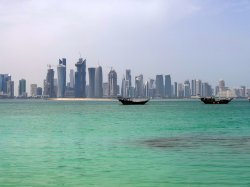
[77, 86]
[55, 85]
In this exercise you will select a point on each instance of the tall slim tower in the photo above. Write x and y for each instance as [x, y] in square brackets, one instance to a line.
[22, 88]
[71, 78]
[128, 77]
[91, 82]
[4, 78]
[80, 78]
[168, 87]
[98, 82]
[139, 87]
[33, 90]
[187, 91]
[193, 87]
[128, 84]
[49, 84]
[112, 80]
[61, 77]
[159, 86]
[198, 87]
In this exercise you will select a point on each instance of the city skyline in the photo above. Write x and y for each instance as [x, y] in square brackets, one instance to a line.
[56, 85]
[187, 39]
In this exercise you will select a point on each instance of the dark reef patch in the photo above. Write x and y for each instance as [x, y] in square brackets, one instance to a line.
[196, 142]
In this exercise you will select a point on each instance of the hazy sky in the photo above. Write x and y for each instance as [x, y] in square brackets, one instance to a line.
[202, 39]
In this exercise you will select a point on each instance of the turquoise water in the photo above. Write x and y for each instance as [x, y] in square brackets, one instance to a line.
[169, 143]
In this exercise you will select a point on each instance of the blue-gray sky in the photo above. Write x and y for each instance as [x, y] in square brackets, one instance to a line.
[202, 39]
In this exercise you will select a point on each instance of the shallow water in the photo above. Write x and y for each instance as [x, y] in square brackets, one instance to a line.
[87, 143]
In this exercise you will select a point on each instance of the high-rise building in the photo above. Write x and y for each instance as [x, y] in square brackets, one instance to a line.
[112, 80]
[175, 89]
[22, 88]
[4, 78]
[72, 78]
[33, 90]
[180, 92]
[39, 91]
[151, 88]
[127, 85]
[98, 82]
[139, 87]
[222, 84]
[198, 87]
[146, 89]
[206, 90]
[187, 91]
[80, 78]
[168, 87]
[61, 77]
[91, 82]
[10, 88]
[243, 91]
[105, 87]
[49, 90]
[128, 77]
[193, 88]
[159, 86]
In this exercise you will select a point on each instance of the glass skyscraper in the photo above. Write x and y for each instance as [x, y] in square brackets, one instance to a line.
[159, 86]
[91, 82]
[98, 82]
[49, 84]
[4, 78]
[80, 78]
[168, 86]
[61, 77]
[22, 88]
[112, 80]
[139, 87]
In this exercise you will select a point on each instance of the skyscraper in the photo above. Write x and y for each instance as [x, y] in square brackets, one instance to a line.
[112, 80]
[39, 91]
[128, 77]
[193, 87]
[71, 78]
[159, 86]
[22, 88]
[139, 87]
[91, 82]
[61, 77]
[146, 89]
[206, 90]
[105, 87]
[98, 82]
[175, 89]
[49, 84]
[198, 87]
[4, 78]
[187, 91]
[151, 88]
[33, 90]
[10, 88]
[168, 87]
[80, 78]
[180, 92]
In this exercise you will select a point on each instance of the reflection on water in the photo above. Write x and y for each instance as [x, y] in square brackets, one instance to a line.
[197, 141]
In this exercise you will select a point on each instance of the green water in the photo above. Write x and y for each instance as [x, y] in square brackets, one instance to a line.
[170, 143]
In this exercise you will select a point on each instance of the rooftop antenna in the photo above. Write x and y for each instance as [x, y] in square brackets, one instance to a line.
[80, 54]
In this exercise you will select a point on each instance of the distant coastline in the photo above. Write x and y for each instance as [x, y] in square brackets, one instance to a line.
[81, 99]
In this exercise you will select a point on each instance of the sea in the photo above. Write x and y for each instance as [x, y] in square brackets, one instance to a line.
[165, 143]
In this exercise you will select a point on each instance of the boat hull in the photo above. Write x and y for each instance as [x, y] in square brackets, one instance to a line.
[215, 101]
[128, 101]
